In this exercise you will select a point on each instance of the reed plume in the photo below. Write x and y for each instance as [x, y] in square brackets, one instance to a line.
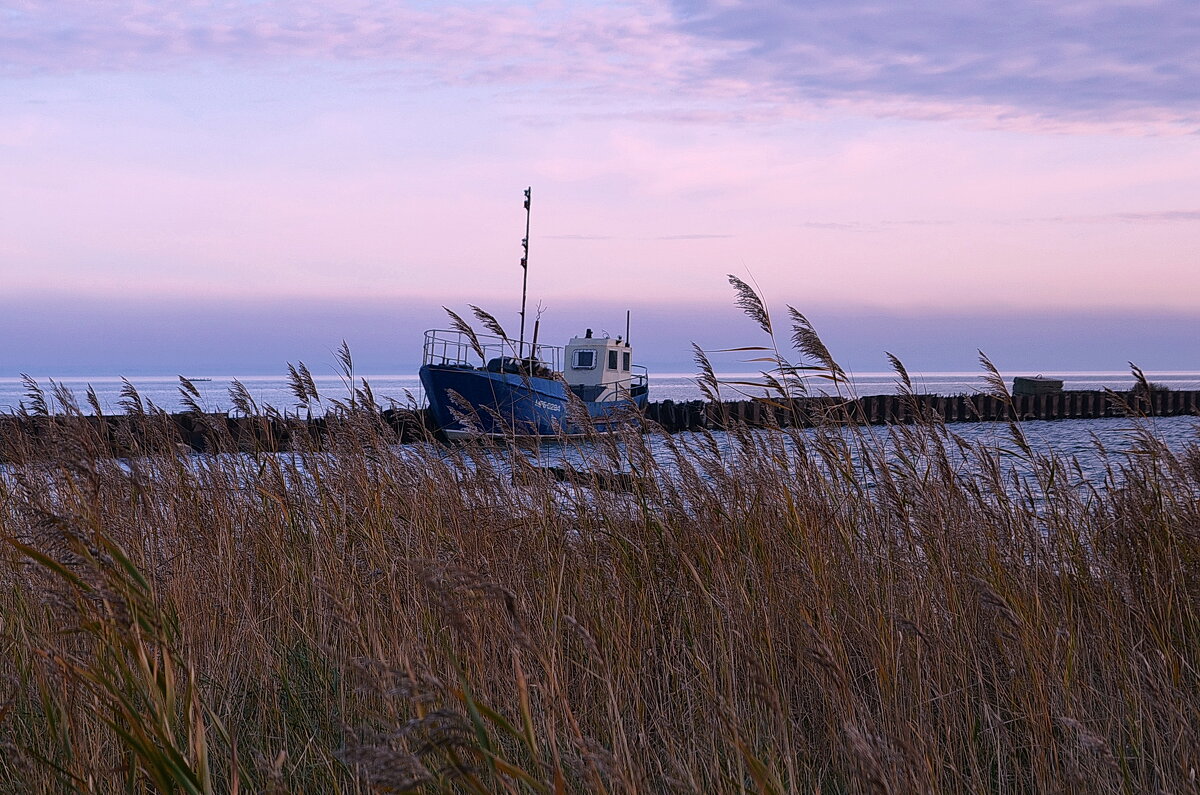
[840, 608]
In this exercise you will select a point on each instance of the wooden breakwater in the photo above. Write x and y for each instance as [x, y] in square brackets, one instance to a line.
[903, 409]
[25, 437]
[130, 434]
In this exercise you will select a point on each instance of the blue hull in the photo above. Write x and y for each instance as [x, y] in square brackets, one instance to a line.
[509, 404]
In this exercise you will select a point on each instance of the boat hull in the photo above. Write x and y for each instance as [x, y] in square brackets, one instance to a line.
[469, 402]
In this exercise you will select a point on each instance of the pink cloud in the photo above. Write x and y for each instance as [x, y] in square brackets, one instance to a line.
[1008, 67]
[355, 148]
[500, 42]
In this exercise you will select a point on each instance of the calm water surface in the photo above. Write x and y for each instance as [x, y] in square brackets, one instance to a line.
[1076, 438]
[1082, 440]
[163, 391]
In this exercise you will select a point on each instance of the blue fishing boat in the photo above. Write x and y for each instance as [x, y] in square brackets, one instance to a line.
[494, 386]
[478, 387]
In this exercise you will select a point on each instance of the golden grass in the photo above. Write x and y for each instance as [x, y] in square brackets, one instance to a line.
[840, 610]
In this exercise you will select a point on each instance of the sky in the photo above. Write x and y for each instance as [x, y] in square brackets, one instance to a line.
[229, 186]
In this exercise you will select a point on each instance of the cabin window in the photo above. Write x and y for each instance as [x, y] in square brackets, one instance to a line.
[612, 360]
[585, 360]
[625, 361]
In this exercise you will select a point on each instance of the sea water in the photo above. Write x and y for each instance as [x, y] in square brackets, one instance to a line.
[1073, 437]
[404, 390]
[1082, 439]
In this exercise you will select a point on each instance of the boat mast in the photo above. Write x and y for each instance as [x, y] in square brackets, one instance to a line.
[524, 271]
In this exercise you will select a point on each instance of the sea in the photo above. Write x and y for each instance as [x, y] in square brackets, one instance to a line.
[404, 390]
[1078, 438]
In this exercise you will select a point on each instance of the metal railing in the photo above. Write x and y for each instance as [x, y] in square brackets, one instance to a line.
[449, 347]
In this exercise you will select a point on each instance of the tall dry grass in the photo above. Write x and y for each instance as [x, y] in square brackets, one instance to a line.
[838, 610]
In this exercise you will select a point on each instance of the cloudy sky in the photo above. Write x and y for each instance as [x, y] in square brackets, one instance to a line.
[247, 182]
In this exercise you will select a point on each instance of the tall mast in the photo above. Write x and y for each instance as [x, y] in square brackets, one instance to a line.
[524, 270]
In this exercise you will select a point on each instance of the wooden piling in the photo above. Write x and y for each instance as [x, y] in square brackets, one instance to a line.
[267, 434]
[899, 409]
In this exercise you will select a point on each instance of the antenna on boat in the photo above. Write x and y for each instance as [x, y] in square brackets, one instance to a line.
[626, 328]
[525, 270]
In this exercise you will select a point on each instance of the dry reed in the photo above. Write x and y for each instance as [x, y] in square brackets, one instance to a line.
[837, 610]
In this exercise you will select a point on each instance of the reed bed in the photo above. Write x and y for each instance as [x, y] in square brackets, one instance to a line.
[836, 610]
